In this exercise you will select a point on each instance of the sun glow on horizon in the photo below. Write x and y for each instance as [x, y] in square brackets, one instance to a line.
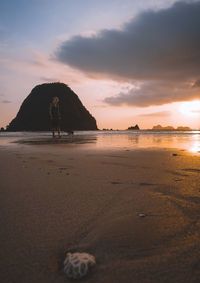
[190, 108]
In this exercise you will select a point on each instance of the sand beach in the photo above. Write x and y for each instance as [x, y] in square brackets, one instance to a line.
[135, 209]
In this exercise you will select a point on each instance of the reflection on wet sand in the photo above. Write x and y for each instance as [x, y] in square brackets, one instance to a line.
[63, 140]
[113, 140]
[190, 143]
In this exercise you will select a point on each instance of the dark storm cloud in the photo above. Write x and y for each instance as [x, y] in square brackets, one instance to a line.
[154, 93]
[154, 45]
[160, 50]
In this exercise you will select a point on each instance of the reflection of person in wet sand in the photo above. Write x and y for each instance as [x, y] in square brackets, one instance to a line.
[55, 116]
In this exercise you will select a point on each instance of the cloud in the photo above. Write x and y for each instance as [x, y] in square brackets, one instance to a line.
[4, 101]
[156, 114]
[154, 93]
[49, 80]
[196, 83]
[158, 49]
[38, 59]
[163, 44]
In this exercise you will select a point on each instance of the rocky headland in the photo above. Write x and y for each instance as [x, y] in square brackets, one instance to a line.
[33, 114]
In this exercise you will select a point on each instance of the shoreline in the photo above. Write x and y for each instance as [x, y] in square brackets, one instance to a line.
[109, 141]
[74, 197]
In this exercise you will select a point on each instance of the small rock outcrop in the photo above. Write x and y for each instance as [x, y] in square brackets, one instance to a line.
[171, 128]
[136, 127]
[33, 114]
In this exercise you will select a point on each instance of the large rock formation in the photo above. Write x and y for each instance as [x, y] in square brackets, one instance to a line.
[33, 114]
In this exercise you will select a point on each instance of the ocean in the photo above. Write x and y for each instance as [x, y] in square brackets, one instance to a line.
[186, 140]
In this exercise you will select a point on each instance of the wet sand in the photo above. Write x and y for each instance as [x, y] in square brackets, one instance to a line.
[57, 198]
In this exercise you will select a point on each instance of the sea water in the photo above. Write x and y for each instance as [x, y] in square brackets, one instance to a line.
[187, 140]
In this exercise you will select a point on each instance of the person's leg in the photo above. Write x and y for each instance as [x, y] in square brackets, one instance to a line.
[59, 132]
[53, 133]
[53, 128]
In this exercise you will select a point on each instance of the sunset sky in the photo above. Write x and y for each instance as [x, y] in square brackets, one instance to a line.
[129, 61]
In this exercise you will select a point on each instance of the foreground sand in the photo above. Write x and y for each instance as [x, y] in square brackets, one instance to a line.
[56, 198]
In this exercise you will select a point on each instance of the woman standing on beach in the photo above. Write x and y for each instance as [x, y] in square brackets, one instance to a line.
[55, 116]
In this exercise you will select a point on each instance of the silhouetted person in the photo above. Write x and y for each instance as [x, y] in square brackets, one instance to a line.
[55, 116]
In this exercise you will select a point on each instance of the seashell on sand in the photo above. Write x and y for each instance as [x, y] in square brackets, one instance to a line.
[77, 265]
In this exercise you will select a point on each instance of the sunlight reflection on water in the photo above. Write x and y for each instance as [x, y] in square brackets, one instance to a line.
[189, 141]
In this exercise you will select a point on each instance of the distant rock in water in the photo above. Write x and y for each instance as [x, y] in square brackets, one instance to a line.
[170, 128]
[33, 114]
[136, 127]
[161, 128]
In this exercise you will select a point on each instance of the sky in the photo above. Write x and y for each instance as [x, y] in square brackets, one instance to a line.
[129, 61]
